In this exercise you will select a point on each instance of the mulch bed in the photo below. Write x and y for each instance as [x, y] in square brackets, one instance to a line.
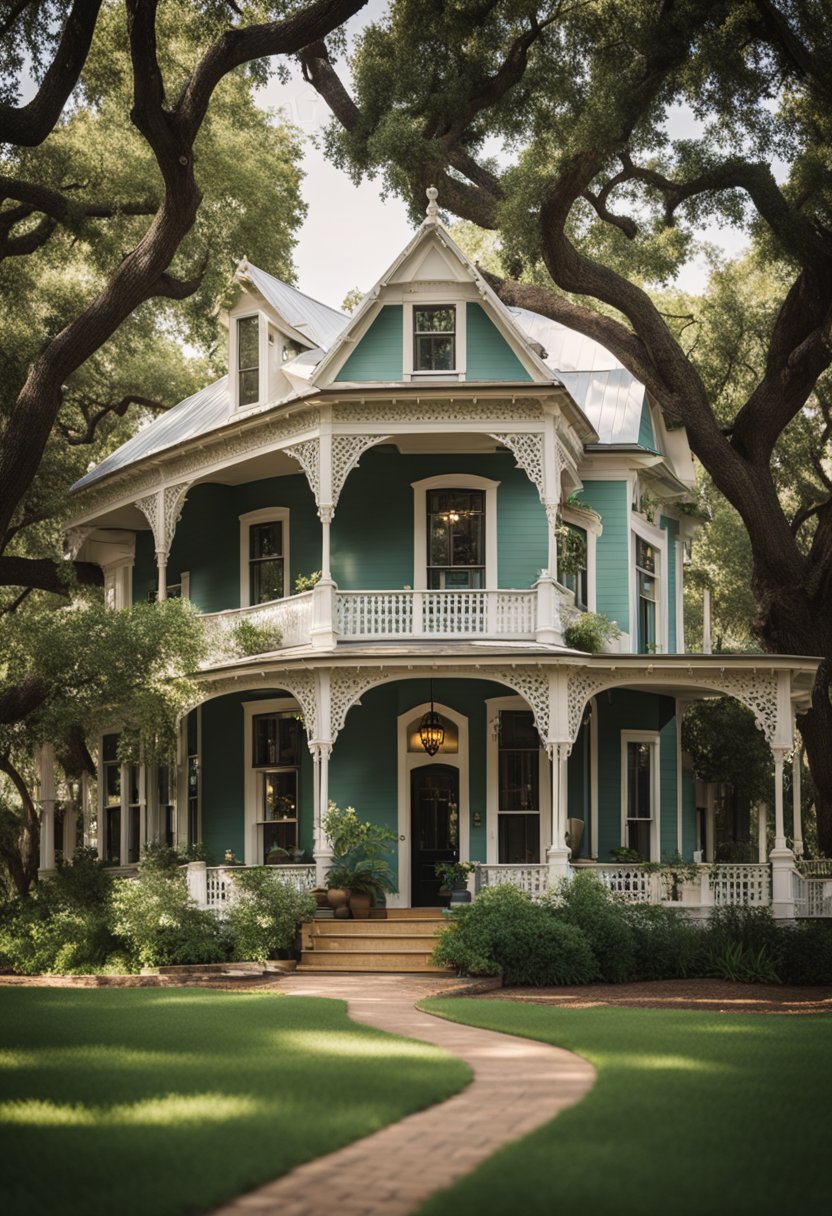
[708, 996]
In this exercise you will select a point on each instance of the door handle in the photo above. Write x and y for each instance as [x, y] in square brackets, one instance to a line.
[401, 838]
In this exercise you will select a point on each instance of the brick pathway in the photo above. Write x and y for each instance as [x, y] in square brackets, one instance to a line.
[518, 1085]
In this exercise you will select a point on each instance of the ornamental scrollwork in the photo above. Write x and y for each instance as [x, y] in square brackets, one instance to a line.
[527, 449]
[490, 410]
[533, 686]
[345, 689]
[346, 452]
[308, 456]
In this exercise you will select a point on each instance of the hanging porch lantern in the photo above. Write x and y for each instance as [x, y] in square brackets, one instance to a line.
[431, 730]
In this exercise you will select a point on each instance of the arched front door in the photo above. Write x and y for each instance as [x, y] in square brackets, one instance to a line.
[434, 829]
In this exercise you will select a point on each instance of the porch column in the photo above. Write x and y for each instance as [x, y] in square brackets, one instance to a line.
[46, 764]
[781, 857]
[762, 832]
[797, 829]
[162, 510]
[323, 634]
[558, 854]
[323, 850]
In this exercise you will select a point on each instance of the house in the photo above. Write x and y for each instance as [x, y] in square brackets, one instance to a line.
[435, 456]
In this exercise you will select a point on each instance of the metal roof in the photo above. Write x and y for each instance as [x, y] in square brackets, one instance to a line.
[320, 323]
[204, 411]
[608, 394]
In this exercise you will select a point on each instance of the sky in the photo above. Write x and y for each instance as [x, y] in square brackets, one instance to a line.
[351, 235]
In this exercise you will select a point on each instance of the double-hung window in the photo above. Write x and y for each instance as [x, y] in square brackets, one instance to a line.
[519, 789]
[572, 563]
[265, 561]
[248, 360]
[434, 339]
[639, 797]
[276, 741]
[456, 539]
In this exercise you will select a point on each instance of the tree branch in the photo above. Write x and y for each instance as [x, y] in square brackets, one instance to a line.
[27, 126]
[45, 575]
[94, 413]
[21, 699]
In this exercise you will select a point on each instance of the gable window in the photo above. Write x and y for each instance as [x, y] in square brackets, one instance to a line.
[248, 360]
[434, 339]
[519, 789]
[455, 539]
[264, 556]
[647, 595]
[276, 744]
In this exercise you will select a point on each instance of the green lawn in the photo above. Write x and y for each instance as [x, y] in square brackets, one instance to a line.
[692, 1114]
[149, 1101]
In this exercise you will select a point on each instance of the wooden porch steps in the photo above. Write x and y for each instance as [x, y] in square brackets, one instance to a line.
[403, 942]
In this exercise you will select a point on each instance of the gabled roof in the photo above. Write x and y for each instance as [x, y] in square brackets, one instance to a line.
[320, 323]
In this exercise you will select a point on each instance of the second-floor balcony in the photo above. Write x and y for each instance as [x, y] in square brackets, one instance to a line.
[326, 616]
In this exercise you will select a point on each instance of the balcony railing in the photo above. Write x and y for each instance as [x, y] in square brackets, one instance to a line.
[324, 616]
[213, 886]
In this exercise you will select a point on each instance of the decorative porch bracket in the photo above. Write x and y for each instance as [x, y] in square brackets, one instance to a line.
[540, 457]
[163, 510]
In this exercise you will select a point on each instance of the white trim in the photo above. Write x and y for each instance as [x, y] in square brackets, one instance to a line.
[262, 355]
[593, 778]
[457, 372]
[185, 584]
[680, 596]
[680, 808]
[493, 708]
[657, 537]
[407, 762]
[266, 515]
[252, 709]
[453, 481]
[653, 739]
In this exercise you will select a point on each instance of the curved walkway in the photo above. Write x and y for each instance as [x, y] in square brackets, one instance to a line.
[518, 1085]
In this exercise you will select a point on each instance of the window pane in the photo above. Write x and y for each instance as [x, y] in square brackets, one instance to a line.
[517, 730]
[519, 781]
[112, 835]
[280, 796]
[248, 342]
[108, 748]
[266, 540]
[276, 740]
[434, 320]
[266, 581]
[638, 781]
[519, 839]
[249, 387]
[133, 838]
[279, 836]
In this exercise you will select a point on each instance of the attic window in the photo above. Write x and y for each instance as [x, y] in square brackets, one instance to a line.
[434, 339]
[248, 360]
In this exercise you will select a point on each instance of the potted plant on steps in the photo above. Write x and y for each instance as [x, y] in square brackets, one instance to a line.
[360, 874]
[453, 875]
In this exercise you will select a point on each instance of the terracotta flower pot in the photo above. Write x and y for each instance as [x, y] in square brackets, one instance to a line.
[337, 897]
[321, 896]
[360, 903]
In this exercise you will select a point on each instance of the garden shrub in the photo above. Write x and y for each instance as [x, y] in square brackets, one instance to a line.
[159, 923]
[586, 903]
[807, 953]
[264, 916]
[505, 933]
[64, 925]
[744, 944]
[668, 946]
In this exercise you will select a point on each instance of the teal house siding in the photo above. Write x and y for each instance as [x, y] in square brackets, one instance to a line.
[646, 435]
[688, 813]
[489, 355]
[372, 536]
[378, 356]
[612, 559]
[622, 710]
[671, 526]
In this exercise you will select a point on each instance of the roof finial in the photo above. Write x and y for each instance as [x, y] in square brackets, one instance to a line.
[433, 210]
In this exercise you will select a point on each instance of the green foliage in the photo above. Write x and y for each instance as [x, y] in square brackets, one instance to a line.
[344, 829]
[744, 944]
[590, 632]
[264, 916]
[807, 953]
[667, 946]
[160, 923]
[571, 549]
[250, 638]
[305, 582]
[504, 933]
[362, 852]
[586, 903]
[453, 874]
[65, 925]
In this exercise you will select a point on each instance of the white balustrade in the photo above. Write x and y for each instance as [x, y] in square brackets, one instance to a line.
[747, 886]
[630, 882]
[532, 879]
[221, 889]
[812, 896]
[820, 867]
[291, 618]
[453, 614]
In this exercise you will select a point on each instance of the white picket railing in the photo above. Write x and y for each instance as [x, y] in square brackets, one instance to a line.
[371, 614]
[812, 896]
[533, 879]
[291, 618]
[218, 891]
[745, 886]
[630, 882]
[820, 867]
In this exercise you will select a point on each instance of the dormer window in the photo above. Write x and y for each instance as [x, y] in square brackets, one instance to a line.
[434, 339]
[248, 360]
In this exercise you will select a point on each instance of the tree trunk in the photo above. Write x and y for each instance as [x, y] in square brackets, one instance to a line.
[23, 862]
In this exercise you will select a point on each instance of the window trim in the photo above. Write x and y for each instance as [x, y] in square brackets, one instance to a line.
[460, 332]
[252, 775]
[494, 707]
[233, 362]
[453, 481]
[653, 739]
[267, 515]
[657, 537]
